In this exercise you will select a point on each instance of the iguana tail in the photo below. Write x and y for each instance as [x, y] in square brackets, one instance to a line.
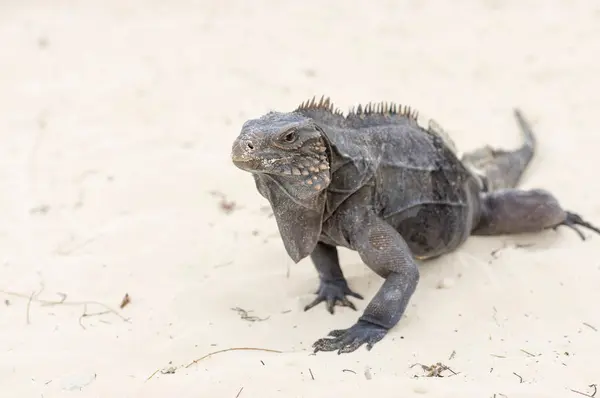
[499, 168]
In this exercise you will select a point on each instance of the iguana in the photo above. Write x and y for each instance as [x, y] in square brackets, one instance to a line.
[390, 185]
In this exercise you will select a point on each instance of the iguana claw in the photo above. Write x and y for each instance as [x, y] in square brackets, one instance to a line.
[349, 340]
[333, 292]
[573, 220]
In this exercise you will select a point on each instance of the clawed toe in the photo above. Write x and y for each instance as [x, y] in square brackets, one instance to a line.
[573, 221]
[336, 333]
[349, 340]
[334, 293]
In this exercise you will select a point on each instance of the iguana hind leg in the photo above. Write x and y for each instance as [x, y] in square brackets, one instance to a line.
[333, 287]
[503, 169]
[514, 211]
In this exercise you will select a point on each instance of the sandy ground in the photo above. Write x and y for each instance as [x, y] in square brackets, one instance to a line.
[116, 124]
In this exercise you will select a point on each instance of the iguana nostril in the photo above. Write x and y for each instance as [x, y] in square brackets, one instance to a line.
[249, 145]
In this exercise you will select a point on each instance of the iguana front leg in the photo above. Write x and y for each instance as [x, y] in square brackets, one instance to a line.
[333, 287]
[385, 252]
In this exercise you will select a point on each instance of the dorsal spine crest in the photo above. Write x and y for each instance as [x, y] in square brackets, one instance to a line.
[323, 104]
[373, 113]
[371, 108]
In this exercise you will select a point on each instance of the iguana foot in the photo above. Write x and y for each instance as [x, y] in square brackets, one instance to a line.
[334, 292]
[348, 340]
[573, 220]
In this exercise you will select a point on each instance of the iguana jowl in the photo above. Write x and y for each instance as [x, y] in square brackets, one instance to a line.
[390, 186]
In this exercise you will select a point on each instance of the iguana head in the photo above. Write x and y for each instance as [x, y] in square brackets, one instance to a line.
[287, 146]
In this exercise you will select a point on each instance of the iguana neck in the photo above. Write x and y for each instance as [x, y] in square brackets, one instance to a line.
[299, 216]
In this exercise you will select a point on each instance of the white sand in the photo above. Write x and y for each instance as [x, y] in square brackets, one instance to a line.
[116, 125]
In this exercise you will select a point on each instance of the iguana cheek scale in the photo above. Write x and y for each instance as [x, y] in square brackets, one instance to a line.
[388, 183]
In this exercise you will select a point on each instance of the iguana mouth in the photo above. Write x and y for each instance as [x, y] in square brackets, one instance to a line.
[308, 166]
[246, 164]
[242, 158]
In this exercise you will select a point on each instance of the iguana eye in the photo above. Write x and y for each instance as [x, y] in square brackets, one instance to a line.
[290, 136]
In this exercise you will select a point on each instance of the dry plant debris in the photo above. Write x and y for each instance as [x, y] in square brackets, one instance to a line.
[435, 370]
[592, 395]
[126, 300]
[225, 205]
[33, 298]
[250, 318]
[169, 370]
[210, 354]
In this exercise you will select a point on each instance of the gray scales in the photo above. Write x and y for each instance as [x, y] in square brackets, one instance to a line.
[390, 185]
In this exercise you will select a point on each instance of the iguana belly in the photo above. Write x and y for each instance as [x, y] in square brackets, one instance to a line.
[431, 230]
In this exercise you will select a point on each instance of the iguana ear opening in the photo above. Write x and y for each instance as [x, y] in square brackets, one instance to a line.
[299, 219]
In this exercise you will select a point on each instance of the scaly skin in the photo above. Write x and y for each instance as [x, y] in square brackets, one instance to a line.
[390, 185]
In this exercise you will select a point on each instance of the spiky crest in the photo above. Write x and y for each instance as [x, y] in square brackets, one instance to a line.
[375, 113]
[383, 109]
[324, 104]
[371, 108]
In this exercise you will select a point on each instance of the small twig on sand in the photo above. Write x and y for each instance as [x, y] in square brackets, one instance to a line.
[210, 354]
[87, 315]
[152, 375]
[590, 326]
[231, 349]
[250, 318]
[239, 392]
[587, 395]
[63, 301]
[520, 378]
[526, 352]
[311, 373]
[29, 308]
